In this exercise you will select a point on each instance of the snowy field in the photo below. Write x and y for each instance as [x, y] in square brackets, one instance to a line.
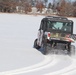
[17, 55]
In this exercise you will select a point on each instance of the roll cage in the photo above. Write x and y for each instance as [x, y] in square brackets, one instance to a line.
[56, 21]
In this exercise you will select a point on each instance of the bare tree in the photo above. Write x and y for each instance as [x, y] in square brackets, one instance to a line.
[65, 8]
[40, 6]
[49, 5]
[10, 5]
[7, 5]
[74, 10]
[45, 2]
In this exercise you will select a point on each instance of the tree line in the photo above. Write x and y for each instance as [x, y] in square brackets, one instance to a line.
[66, 8]
[63, 7]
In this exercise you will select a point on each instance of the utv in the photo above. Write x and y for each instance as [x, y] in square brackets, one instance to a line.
[55, 32]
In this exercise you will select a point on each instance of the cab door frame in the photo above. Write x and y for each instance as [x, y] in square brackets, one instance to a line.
[41, 32]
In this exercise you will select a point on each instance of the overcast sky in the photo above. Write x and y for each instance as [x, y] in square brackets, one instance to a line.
[53, 0]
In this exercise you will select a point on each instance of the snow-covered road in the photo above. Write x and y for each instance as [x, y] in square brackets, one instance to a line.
[17, 55]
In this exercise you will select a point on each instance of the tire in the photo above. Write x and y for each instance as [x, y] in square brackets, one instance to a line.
[44, 47]
[44, 50]
[72, 50]
[69, 48]
[35, 44]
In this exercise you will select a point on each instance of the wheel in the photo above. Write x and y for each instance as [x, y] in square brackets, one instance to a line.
[69, 48]
[72, 50]
[44, 47]
[35, 44]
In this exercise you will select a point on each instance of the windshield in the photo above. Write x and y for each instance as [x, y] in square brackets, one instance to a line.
[61, 26]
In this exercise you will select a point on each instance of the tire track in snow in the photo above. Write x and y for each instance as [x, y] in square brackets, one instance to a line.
[48, 59]
[67, 70]
[60, 63]
[70, 70]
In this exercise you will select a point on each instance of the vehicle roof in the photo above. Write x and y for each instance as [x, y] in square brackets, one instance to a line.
[57, 18]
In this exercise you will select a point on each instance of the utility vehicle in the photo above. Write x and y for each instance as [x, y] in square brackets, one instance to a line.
[55, 33]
